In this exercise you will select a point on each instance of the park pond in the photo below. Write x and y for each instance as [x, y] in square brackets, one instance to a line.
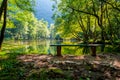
[42, 47]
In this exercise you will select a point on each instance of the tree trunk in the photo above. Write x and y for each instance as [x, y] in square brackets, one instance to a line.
[4, 10]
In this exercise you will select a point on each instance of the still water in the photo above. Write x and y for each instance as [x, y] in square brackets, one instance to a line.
[39, 47]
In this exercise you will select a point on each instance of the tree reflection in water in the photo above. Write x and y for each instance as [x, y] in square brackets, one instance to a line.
[40, 47]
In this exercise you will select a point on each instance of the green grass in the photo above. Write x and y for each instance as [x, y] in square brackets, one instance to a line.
[9, 66]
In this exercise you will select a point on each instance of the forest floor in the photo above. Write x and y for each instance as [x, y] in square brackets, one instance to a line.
[103, 67]
[49, 67]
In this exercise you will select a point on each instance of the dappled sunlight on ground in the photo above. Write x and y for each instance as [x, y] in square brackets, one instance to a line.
[104, 66]
[100, 59]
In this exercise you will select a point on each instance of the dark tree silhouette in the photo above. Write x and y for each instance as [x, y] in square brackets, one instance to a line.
[3, 11]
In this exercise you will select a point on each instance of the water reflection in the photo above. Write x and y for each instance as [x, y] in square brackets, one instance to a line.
[41, 47]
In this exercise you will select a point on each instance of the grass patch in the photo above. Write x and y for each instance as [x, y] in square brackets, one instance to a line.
[9, 67]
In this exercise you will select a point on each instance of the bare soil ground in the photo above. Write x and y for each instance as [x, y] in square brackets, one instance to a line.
[85, 67]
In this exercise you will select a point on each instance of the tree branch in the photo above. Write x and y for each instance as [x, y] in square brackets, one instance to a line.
[112, 5]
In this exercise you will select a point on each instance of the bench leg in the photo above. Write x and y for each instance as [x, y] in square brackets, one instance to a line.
[93, 50]
[59, 51]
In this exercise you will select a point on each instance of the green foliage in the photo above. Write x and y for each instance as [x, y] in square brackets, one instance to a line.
[26, 26]
[25, 4]
[96, 20]
[21, 22]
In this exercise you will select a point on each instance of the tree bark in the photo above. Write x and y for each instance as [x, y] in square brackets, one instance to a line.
[4, 10]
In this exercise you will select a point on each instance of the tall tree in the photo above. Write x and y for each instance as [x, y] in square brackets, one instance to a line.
[20, 5]
[90, 20]
[3, 10]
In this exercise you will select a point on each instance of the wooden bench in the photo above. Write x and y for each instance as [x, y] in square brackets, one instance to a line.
[92, 46]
